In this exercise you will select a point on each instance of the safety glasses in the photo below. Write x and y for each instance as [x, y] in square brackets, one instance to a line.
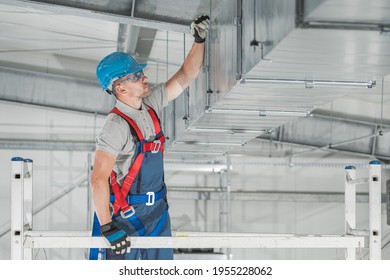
[133, 78]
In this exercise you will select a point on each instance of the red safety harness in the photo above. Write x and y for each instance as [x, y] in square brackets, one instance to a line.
[120, 192]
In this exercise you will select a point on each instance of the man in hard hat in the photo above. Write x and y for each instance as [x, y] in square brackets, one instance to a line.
[127, 181]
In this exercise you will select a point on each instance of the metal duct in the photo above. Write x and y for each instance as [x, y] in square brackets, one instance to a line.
[229, 54]
[258, 41]
[53, 91]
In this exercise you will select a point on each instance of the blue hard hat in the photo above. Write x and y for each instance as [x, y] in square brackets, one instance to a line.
[116, 65]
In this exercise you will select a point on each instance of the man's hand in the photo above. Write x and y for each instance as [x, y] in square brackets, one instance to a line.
[118, 239]
[199, 27]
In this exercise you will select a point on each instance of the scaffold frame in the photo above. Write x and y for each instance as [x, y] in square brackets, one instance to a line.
[24, 239]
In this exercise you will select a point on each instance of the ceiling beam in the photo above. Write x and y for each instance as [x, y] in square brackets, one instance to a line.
[335, 132]
[47, 145]
[97, 14]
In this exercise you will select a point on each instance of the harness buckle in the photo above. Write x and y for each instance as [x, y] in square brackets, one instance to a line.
[128, 213]
[156, 146]
[151, 198]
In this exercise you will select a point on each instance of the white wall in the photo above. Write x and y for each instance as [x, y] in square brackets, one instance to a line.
[283, 216]
[54, 171]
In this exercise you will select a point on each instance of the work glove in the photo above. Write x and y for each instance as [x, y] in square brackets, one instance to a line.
[199, 27]
[118, 239]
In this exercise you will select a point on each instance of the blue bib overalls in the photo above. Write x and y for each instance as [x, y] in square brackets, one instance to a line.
[148, 213]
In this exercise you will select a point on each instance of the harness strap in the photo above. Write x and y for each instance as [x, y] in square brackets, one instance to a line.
[146, 147]
[115, 110]
[153, 147]
[157, 128]
[121, 192]
[137, 224]
[140, 228]
[156, 124]
[150, 197]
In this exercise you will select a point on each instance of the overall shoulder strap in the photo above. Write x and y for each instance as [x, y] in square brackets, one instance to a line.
[155, 119]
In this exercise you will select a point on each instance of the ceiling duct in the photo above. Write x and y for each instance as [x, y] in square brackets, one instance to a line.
[263, 71]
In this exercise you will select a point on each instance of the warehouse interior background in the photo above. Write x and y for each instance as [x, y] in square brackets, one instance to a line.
[291, 93]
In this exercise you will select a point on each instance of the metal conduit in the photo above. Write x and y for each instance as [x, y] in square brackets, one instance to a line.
[309, 83]
[331, 146]
[283, 162]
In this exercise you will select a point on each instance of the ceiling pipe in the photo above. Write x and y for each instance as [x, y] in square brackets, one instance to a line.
[210, 143]
[309, 83]
[132, 8]
[260, 113]
[345, 25]
[229, 131]
[335, 145]
[269, 113]
[195, 152]
[356, 139]
[45, 145]
[207, 69]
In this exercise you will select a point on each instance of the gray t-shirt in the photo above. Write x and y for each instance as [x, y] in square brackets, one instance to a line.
[115, 137]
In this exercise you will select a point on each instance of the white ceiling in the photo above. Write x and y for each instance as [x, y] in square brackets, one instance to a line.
[337, 41]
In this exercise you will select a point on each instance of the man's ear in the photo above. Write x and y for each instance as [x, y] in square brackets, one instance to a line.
[119, 89]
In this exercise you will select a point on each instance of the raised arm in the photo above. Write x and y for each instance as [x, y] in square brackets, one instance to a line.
[191, 66]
